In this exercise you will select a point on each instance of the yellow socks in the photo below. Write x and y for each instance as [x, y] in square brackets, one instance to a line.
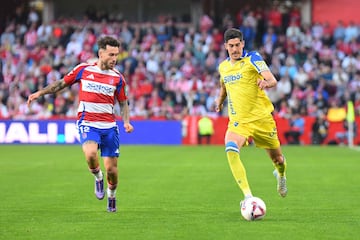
[237, 168]
[281, 168]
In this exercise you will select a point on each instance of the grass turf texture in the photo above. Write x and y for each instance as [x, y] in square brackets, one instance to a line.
[177, 192]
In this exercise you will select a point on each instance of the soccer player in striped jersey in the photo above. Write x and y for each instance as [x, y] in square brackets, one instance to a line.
[99, 85]
[243, 78]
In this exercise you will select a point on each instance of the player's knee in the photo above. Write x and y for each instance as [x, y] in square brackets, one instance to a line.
[231, 147]
[111, 170]
[91, 155]
[279, 159]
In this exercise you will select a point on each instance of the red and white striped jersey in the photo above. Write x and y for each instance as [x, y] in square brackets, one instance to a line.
[97, 93]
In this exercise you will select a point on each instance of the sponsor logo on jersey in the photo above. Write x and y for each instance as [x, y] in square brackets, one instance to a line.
[95, 87]
[232, 78]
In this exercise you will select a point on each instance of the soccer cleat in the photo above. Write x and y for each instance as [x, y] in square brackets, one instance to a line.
[281, 184]
[111, 204]
[99, 189]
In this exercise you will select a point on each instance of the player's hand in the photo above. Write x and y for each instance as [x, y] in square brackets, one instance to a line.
[32, 97]
[128, 127]
[218, 106]
[263, 84]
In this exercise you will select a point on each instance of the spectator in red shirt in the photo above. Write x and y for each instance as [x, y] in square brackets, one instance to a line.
[275, 18]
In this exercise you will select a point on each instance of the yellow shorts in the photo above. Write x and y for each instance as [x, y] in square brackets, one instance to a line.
[262, 131]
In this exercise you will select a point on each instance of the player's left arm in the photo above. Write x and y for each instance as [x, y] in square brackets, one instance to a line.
[125, 114]
[268, 80]
[121, 95]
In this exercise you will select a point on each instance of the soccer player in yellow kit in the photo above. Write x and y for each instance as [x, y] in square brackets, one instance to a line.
[243, 78]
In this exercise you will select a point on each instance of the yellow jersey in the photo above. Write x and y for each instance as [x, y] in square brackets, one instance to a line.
[246, 101]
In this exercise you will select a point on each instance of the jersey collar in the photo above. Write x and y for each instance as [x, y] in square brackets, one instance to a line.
[244, 54]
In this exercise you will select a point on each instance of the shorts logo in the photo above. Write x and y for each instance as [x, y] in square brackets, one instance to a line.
[274, 133]
[84, 135]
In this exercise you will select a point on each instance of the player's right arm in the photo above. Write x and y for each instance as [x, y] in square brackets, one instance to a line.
[221, 98]
[51, 88]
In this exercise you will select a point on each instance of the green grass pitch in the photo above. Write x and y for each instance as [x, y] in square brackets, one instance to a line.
[178, 192]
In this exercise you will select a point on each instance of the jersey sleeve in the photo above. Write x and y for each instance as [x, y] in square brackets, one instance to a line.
[75, 74]
[258, 62]
[122, 90]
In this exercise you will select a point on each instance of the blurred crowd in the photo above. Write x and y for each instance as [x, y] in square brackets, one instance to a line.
[171, 67]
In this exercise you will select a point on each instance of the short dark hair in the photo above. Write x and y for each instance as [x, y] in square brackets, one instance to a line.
[107, 40]
[232, 33]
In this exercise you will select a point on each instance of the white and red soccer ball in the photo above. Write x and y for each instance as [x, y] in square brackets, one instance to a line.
[253, 209]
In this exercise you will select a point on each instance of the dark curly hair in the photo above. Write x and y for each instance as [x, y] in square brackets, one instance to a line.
[107, 40]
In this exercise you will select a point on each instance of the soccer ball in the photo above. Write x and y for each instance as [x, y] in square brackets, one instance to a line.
[253, 209]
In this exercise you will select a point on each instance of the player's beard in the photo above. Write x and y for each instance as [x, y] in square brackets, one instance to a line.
[109, 64]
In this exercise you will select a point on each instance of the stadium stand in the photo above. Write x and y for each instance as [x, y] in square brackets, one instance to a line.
[171, 66]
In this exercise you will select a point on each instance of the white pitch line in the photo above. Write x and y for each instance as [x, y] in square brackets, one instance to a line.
[355, 148]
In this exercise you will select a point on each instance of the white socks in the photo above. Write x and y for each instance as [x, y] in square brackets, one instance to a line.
[99, 175]
[111, 193]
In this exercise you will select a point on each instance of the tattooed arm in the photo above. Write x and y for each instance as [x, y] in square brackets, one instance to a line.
[125, 114]
[51, 88]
